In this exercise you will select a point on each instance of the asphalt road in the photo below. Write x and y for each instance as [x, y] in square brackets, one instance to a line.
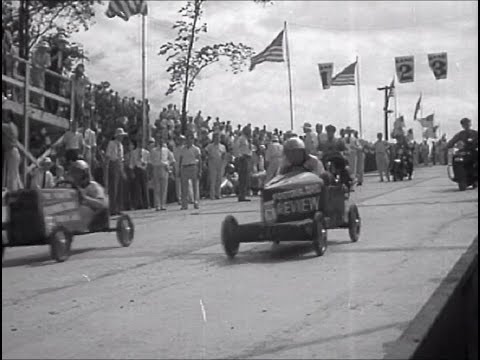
[174, 294]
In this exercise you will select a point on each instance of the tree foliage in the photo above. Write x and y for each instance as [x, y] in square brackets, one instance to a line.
[33, 20]
[185, 67]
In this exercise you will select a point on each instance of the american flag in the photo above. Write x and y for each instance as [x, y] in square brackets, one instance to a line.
[126, 8]
[273, 52]
[346, 76]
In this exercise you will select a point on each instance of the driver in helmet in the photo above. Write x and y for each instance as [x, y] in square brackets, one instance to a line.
[93, 200]
[296, 156]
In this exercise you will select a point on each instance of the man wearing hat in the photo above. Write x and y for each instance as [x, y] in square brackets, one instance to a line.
[310, 139]
[244, 158]
[115, 158]
[190, 164]
[42, 178]
[464, 135]
[273, 158]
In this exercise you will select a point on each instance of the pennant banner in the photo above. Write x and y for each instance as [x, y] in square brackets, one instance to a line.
[405, 68]
[326, 71]
[439, 65]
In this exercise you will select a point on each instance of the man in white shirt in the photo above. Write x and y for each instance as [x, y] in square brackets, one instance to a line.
[311, 139]
[115, 158]
[162, 159]
[73, 141]
[90, 144]
[322, 138]
[190, 165]
[273, 158]
[42, 178]
[244, 157]
[142, 159]
[216, 159]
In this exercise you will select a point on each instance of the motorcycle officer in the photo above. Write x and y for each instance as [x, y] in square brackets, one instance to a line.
[467, 135]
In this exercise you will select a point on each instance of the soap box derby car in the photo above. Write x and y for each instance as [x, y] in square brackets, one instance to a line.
[52, 217]
[297, 206]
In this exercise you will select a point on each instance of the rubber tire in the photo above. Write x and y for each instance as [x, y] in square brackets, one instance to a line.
[462, 185]
[354, 223]
[229, 236]
[125, 241]
[60, 250]
[319, 235]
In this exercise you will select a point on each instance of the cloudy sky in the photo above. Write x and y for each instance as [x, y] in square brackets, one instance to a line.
[318, 31]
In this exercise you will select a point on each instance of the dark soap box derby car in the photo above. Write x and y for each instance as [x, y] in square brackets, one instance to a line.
[297, 206]
[52, 217]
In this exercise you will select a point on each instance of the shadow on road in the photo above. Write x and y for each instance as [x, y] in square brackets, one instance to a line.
[44, 259]
[412, 248]
[290, 345]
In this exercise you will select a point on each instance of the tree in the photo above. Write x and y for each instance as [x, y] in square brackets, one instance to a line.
[186, 63]
[32, 20]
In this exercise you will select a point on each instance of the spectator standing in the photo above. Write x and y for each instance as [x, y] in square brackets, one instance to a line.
[41, 61]
[11, 156]
[273, 158]
[216, 153]
[190, 164]
[58, 55]
[130, 193]
[90, 141]
[115, 158]
[73, 141]
[311, 139]
[245, 155]
[381, 157]
[162, 159]
[80, 82]
[361, 151]
[42, 178]
[142, 160]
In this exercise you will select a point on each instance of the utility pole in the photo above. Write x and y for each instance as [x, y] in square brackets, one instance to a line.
[386, 89]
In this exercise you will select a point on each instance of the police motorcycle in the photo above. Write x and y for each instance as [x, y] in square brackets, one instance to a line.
[462, 165]
[297, 205]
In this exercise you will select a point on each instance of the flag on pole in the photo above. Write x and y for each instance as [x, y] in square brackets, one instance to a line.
[126, 8]
[273, 52]
[431, 132]
[427, 122]
[417, 107]
[391, 93]
[326, 71]
[346, 76]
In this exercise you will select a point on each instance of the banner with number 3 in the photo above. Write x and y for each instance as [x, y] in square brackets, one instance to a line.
[405, 67]
[439, 65]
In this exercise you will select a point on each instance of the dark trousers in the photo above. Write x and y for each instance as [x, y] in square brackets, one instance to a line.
[114, 186]
[243, 176]
[142, 189]
[130, 190]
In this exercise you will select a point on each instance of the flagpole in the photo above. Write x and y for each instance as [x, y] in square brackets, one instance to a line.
[395, 93]
[359, 99]
[289, 76]
[144, 115]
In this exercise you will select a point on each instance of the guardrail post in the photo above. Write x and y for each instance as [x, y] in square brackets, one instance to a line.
[26, 108]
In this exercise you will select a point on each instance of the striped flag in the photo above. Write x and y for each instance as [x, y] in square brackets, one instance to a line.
[427, 122]
[417, 107]
[126, 8]
[346, 76]
[391, 93]
[273, 52]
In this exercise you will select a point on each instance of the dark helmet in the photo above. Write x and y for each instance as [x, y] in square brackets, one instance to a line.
[465, 121]
[294, 149]
[230, 168]
[80, 172]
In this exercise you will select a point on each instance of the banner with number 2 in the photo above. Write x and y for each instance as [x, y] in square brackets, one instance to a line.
[439, 65]
[405, 66]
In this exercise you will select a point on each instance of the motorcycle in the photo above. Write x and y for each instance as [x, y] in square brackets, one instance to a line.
[463, 164]
[400, 168]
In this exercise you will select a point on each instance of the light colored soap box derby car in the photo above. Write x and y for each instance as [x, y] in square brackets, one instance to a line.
[297, 206]
[52, 217]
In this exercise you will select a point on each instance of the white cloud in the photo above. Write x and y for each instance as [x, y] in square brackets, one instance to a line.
[318, 32]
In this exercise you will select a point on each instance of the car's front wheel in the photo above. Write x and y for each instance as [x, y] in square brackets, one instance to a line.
[60, 240]
[319, 235]
[229, 235]
[354, 223]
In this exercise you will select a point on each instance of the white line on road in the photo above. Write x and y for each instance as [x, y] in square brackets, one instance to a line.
[204, 314]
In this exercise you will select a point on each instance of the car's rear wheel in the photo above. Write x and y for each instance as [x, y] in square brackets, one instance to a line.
[60, 240]
[229, 234]
[125, 230]
[319, 234]
[354, 223]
